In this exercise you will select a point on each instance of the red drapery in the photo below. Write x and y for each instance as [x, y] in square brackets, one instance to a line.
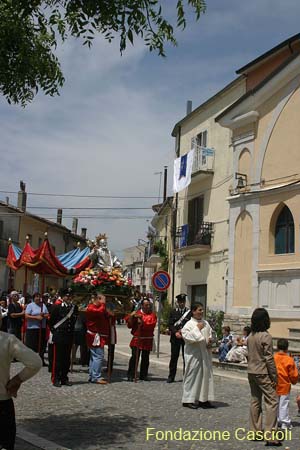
[42, 261]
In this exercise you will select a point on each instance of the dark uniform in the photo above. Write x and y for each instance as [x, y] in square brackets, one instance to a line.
[63, 337]
[177, 344]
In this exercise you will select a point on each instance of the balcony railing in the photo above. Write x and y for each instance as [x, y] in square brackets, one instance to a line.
[186, 236]
[204, 159]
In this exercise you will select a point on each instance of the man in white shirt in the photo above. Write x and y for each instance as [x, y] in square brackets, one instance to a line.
[12, 348]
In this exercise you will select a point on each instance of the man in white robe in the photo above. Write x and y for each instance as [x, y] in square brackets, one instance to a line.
[198, 384]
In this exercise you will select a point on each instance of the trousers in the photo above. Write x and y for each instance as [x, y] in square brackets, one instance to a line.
[283, 410]
[144, 363]
[261, 387]
[61, 361]
[7, 424]
[36, 340]
[95, 366]
[176, 346]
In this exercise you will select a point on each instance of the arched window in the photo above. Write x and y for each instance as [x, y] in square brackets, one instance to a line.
[284, 232]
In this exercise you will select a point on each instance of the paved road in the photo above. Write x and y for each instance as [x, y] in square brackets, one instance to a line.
[89, 417]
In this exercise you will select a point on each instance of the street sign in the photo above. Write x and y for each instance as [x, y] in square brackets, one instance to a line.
[161, 280]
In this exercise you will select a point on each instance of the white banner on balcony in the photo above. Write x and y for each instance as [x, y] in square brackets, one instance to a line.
[183, 171]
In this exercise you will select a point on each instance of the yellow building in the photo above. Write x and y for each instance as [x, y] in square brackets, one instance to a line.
[264, 238]
[201, 239]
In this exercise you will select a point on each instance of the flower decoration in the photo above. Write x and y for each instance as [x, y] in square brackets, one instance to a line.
[112, 281]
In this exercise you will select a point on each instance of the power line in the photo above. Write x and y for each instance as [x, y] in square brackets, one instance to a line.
[77, 216]
[88, 208]
[82, 196]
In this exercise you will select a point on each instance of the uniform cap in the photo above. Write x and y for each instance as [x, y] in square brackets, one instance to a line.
[181, 297]
[14, 293]
[66, 291]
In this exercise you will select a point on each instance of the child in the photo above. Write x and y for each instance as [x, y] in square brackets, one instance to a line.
[287, 374]
[239, 352]
[298, 404]
[225, 343]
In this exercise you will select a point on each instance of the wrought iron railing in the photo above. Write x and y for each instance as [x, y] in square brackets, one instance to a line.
[186, 235]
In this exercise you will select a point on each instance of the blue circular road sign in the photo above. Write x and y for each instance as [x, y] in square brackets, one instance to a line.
[161, 280]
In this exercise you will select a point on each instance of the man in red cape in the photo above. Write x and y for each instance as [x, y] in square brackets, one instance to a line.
[97, 336]
[142, 324]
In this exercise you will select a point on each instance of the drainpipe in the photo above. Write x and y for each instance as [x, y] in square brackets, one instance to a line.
[165, 182]
[175, 225]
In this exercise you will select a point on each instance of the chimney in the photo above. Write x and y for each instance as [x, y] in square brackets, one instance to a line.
[74, 225]
[83, 233]
[59, 216]
[165, 181]
[7, 200]
[22, 196]
[189, 107]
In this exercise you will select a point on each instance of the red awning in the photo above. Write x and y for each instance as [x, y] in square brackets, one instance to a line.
[43, 260]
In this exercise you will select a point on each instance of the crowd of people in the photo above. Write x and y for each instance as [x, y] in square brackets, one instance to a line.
[56, 324]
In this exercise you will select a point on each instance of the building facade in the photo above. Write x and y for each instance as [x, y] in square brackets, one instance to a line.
[134, 264]
[18, 225]
[200, 241]
[264, 205]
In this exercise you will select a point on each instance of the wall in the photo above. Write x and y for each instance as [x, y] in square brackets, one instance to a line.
[215, 188]
[243, 257]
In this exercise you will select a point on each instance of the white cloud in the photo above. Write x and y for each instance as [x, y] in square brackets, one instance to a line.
[109, 131]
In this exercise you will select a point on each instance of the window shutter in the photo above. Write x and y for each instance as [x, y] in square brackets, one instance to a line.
[204, 138]
[193, 142]
[195, 216]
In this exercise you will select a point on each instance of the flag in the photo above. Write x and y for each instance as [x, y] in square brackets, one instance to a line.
[183, 171]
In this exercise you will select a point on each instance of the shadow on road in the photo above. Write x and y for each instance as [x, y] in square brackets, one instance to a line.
[100, 429]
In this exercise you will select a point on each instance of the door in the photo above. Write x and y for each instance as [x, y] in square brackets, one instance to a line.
[199, 295]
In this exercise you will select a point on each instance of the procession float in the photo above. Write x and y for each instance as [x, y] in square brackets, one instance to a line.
[90, 270]
[105, 275]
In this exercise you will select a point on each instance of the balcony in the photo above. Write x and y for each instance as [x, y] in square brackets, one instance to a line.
[204, 159]
[157, 254]
[187, 241]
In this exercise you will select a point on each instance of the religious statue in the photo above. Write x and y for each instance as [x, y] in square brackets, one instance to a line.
[102, 257]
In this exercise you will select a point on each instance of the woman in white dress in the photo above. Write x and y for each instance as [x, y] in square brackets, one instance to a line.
[198, 385]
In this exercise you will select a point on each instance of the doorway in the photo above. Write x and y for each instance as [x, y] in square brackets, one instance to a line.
[199, 295]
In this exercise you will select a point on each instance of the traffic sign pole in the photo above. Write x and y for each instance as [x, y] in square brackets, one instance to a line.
[161, 282]
[158, 325]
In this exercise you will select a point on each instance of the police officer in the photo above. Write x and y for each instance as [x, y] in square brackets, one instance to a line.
[178, 318]
[62, 322]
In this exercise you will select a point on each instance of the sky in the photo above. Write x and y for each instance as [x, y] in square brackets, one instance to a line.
[109, 132]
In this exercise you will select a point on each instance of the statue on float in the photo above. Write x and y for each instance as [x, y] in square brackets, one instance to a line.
[105, 274]
[101, 256]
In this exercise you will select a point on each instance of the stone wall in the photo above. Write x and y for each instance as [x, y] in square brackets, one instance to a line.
[236, 323]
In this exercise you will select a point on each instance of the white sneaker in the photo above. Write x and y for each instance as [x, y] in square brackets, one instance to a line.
[285, 426]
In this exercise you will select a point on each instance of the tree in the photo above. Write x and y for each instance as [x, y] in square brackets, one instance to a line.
[30, 31]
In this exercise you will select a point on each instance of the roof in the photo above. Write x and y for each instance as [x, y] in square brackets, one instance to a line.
[207, 103]
[269, 53]
[159, 207]
[41, 219]
[258, 87]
